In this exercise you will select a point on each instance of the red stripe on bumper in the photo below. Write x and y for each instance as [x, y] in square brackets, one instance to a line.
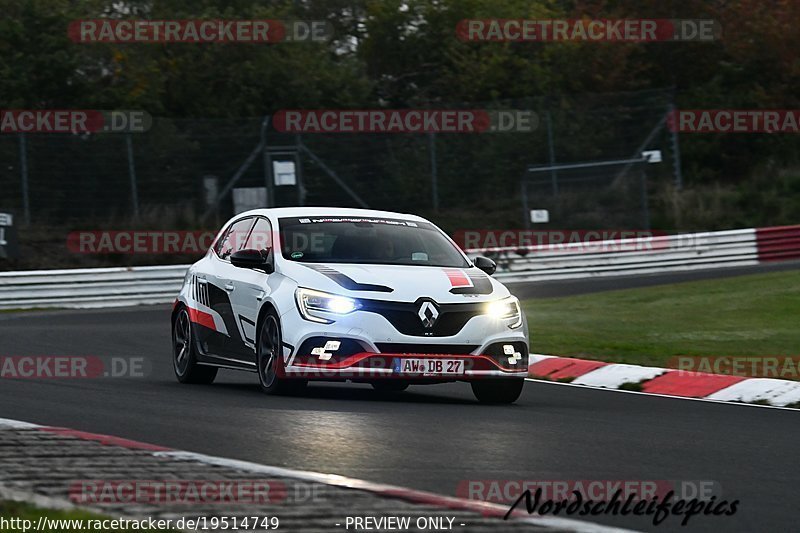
[689, 384]
[350, 361]
[563, 367]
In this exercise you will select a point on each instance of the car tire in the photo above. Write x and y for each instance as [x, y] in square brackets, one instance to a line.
[390, 385]
[269, 359]
[184, 354]
[503, 390]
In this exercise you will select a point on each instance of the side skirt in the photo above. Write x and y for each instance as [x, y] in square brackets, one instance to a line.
[228, 365]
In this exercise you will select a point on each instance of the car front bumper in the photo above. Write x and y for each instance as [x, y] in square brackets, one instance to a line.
[366, 345]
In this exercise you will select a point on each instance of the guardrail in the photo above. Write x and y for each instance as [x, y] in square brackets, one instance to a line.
[90, 287]
[109, 287]
[639, 255]
[778, 243]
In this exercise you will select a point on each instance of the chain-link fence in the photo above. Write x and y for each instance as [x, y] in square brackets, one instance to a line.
[592, 195]
[168, 177]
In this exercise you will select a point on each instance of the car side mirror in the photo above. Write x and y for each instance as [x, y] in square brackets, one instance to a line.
[254, 259]
[485, 264]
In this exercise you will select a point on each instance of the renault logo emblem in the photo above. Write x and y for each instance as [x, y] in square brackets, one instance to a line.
[428, 314]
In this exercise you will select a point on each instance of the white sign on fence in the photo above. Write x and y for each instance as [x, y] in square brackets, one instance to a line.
[8, 236]
[652, 156]
[540, 216]
[284, 172]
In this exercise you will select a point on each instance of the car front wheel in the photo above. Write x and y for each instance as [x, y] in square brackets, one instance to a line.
[503, 390]
[270, 361]
[184, 356]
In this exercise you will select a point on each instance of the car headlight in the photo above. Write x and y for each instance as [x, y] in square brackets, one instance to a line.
[505, 309]
[315, 305]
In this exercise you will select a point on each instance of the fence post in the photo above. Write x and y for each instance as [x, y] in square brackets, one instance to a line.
[301, 186]
[552, 153]
[676, 150]
[434, 171]
[526, 212]
[645, 207]
[132, 176]
[269, 181]
[23, 170]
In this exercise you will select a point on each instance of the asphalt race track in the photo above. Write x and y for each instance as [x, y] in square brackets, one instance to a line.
[429, 438]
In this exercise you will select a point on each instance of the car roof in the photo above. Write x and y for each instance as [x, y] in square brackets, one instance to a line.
[279, 212]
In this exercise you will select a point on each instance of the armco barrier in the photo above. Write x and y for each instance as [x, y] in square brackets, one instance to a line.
[690, 251]
[90, 287]
[108, 287]
[779, 243]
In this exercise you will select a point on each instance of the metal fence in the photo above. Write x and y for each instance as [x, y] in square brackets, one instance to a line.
[161, 176]
[610, 194]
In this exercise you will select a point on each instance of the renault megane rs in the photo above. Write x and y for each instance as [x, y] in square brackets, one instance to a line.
[299, 294]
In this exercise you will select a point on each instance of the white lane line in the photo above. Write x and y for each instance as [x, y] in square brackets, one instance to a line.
[673, 397]
[7, 423]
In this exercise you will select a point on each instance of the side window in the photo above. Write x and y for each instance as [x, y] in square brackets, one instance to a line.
[221, 242]
[261, 236]
[234, 239]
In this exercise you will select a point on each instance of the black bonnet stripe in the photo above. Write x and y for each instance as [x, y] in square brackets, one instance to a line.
[346, 281]
[481, 284]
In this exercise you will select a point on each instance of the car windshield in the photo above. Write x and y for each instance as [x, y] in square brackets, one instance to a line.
[370, 240]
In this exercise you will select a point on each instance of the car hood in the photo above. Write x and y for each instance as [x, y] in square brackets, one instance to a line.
[399, 283]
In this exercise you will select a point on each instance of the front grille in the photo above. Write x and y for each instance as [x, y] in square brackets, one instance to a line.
[404, 348]
[404, 316]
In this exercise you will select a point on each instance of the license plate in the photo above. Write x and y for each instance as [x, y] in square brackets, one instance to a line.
[429, 367]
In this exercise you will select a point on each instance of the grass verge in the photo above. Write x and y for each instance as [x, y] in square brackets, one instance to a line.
[24, 511]
[752, 315]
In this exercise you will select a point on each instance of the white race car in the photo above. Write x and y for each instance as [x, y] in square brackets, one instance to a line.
[298, 294]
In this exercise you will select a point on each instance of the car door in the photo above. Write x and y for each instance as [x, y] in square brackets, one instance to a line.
[221, 285]
[250, 286]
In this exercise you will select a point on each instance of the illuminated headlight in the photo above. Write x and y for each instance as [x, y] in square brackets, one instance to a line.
[505, 309]
[313, 305]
